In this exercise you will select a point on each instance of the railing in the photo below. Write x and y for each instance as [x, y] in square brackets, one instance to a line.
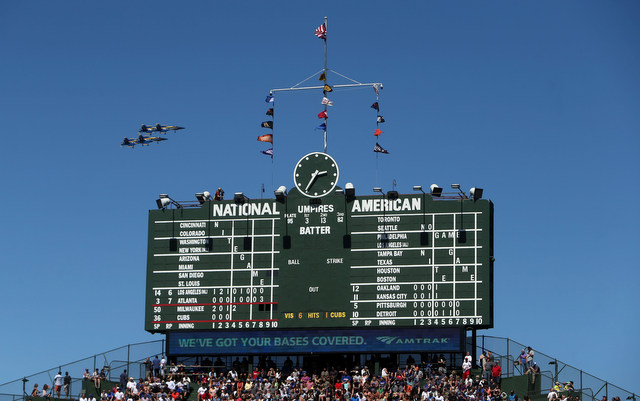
[552, 370]
[10, 397]
[132, 356]
[114, 362]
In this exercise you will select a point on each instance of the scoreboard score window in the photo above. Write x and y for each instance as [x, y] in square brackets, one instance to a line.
[329, 261]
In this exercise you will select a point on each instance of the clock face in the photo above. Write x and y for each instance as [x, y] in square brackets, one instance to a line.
[316, 174]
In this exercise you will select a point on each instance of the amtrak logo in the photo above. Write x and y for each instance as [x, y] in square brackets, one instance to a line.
[386, 339]
[389, 340]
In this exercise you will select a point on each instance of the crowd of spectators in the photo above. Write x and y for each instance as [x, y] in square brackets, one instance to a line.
[214, 382]
[424, 382]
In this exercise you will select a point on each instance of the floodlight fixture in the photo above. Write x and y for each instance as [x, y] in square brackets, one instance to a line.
[457, 186]
[165, 200]
[418, 188]
[476, 193]
[377, 189]
[240, 198]
[163, 203]
[280, 193]
[436, 191]
[349, 191]
[202, 197]
[339, 191]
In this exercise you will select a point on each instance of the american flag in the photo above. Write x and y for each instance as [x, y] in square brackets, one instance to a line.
[321, 32]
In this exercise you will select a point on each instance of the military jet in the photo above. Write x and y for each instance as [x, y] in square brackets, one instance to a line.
[159, 128]
[130, 142]
[146, 140]
[141, 140]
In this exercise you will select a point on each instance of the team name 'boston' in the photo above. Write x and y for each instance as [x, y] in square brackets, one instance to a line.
[248, 209]
[385, 205]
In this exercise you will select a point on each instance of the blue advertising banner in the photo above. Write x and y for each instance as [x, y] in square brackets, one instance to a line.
[314, 341]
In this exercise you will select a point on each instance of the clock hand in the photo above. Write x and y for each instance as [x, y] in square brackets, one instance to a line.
[322, 173]
[314, 175]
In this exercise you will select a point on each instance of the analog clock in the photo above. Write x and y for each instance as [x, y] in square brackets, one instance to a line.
[316, 174]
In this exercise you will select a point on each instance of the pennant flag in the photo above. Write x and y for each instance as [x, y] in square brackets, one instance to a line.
[267, 124]
[268, 152]
[322, 127]
[323, 77]
[269, 99]
[266, 138]
[270, 112]
[380, 119]
[323, 114]
[327, 88]
[376, 89]
[327, 101]
[375, 106]
[378, 132]
[379, 149]
[321, 32]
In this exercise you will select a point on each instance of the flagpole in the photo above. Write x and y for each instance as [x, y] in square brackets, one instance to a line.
[321, 32]
[325, 72]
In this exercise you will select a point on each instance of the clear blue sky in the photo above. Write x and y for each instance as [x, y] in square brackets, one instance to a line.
[537, 102]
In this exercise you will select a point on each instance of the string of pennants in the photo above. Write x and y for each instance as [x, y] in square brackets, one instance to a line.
[321, 33]
[268, 124]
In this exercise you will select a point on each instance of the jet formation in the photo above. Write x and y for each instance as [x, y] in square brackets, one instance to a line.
[145, 137]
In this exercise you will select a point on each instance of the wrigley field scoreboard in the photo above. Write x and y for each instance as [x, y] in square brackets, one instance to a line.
[321, 258]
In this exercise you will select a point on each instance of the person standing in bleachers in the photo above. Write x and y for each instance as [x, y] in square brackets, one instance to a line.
[163, 367]
[148, 368]
[57, 384]
[496, 373]
[123, 379]
[530, 355]
[156, 366]
[66, 384]
[466, 368]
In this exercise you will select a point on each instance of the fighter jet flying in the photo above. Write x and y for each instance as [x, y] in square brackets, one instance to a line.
[146, 140]
[141, 140]
[129, 142]
[159, 128]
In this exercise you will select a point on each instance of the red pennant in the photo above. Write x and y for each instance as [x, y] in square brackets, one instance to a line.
[378, 132]
[323, 114]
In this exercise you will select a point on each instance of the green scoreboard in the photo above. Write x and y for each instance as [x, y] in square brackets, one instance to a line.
[321, 257]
